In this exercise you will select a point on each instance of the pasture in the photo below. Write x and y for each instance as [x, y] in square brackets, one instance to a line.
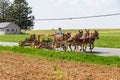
[108, 37]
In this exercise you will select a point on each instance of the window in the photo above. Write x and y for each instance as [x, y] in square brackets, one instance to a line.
[12, 29]
[7, 30]
[16, 30]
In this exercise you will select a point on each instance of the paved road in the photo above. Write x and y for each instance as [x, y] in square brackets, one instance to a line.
[106, 51]
[8, 43]
[98, 51]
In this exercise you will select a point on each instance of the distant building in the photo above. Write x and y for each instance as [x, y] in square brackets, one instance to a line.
[9, 28]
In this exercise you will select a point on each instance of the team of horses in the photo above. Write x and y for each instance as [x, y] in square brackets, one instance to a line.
[80, 39]
[77, 42]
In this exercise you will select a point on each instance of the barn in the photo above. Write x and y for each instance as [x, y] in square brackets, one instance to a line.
[9, 28]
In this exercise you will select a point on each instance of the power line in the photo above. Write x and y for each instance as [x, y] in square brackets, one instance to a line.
[71, 18]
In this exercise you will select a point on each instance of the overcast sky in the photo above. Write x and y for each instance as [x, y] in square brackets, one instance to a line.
[44, 9]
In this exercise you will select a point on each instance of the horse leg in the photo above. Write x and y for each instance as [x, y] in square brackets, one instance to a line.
[80, 47]
[92, 47]
[70, 47]
[85, 46]
[76, 48]
[65, 47]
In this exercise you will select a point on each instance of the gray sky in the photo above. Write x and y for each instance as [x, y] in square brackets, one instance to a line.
[44, 9]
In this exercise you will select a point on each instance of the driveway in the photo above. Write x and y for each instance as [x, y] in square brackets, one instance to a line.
[96, 50]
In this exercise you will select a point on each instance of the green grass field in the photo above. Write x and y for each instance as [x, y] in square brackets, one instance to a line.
[64, 56]
[108, 37]
[13, 38]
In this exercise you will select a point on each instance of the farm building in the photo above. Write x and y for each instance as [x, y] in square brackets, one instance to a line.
[9, 28]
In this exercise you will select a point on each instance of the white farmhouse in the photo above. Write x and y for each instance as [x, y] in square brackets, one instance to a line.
[9, 28]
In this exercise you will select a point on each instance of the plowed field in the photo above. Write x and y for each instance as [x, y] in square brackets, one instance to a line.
[19, 67]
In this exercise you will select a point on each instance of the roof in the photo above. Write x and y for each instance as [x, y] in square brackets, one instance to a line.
[4, 24]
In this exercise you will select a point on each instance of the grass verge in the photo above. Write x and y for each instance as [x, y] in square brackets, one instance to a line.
[65, 56]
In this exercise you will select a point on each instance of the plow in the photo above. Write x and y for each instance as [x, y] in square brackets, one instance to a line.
[34, 42]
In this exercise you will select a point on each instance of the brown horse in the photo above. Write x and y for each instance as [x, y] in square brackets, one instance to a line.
[85, 40]
[60, 41]
[75, 41]
[89, 38]
[92, 38]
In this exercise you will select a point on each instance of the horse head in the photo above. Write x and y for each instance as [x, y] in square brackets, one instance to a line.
[96, 34]
[86, 35]
[66, 36]
[80, 34]
[87, 32]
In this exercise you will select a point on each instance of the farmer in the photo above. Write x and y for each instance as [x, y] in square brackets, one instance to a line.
[59, 31]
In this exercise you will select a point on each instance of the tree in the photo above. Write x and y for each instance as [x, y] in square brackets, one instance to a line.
[20, 13]
[4, 5]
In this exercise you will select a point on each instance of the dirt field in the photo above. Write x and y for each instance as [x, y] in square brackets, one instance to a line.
[19, 67]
